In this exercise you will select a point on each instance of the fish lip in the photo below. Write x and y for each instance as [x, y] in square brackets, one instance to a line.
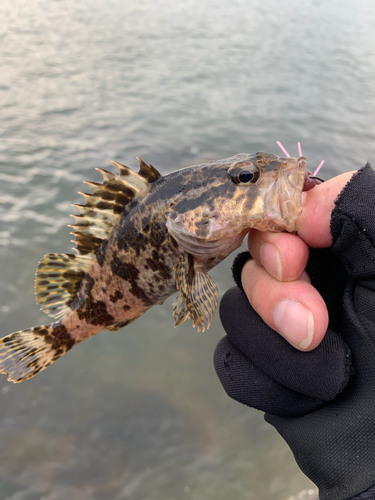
[301, 171]
[291, 182]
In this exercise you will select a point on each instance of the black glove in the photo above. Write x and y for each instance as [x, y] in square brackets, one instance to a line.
[322, 402]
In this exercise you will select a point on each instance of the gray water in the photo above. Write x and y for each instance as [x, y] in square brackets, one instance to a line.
[140, 414]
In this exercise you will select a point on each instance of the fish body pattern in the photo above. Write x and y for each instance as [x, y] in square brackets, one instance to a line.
[142, 237]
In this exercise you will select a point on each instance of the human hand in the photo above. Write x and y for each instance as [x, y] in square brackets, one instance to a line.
[294, 308]
[321, 396]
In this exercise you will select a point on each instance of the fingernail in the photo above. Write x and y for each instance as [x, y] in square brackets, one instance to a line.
[270, 258]
[295, 323]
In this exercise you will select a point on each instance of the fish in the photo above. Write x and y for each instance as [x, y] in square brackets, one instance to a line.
[141, 237]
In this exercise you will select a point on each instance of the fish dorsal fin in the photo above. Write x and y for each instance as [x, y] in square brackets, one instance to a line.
[104, 206]
[59, 275]
[148, 172]
[57, 280]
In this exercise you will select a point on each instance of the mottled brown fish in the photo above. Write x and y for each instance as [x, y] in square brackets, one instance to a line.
[141, 237]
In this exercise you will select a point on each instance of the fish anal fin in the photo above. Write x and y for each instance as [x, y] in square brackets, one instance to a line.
[57, 280]
[198, 291]
[117, 326]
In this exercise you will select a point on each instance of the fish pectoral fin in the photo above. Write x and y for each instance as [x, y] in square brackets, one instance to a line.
[180, 312]
[198, 292]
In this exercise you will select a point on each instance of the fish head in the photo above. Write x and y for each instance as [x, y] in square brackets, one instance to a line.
[225, 199]
[264, 193]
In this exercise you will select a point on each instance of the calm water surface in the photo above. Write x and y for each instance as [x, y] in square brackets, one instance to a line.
[140, 414]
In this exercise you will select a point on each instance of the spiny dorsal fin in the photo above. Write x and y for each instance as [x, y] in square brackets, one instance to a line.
[57, 280]
[148, 172]
[104, 206]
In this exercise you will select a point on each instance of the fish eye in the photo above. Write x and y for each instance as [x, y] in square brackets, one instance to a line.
[244, 175]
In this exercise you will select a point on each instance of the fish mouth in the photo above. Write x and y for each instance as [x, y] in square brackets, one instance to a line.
[311, 181]
[293, 181]
[291, 184]
[283, 197]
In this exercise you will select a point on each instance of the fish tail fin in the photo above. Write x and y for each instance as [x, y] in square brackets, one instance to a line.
[25, 353]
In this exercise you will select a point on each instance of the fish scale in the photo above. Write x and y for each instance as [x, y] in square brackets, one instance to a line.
[141, 237]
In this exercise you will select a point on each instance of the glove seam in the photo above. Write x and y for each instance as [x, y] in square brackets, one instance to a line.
[359, 227]
[348, 184]
[356, 180]
[357, 496]
[349, 370]
[360, 496]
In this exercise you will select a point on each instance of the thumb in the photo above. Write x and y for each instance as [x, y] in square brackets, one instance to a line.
[313, 225]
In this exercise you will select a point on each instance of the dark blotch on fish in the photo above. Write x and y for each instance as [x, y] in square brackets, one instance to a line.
[128, 272]
[116, 296]
[95, 312]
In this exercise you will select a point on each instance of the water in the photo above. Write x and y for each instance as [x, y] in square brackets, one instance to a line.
[139, 413]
